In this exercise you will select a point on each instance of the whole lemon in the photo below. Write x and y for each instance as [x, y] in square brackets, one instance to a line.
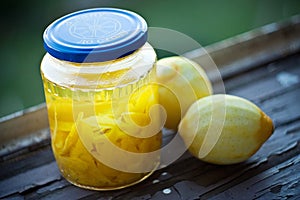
[224, 129]
[181, 82]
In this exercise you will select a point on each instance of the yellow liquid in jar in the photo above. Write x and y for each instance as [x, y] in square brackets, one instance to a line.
[97, 115]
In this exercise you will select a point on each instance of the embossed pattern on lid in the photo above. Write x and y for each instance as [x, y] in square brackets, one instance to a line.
[95, 35]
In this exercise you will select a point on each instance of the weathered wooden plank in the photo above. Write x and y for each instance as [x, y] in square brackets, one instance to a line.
[29, 179]
[26, 161]
[285, 107]
[274, 77]
[262, 88]
[251, 49]
[14, 128]
[15, 197]
[73, 193]
[270, 155]
[281, 181]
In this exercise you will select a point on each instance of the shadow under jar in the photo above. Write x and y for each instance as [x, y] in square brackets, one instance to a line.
[99, 83]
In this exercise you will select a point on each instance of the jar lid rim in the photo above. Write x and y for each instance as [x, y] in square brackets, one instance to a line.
[95, 35]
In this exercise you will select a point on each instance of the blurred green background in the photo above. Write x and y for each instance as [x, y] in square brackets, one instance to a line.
[206, 21]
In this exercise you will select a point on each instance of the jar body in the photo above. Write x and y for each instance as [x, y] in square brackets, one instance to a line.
[105, 127]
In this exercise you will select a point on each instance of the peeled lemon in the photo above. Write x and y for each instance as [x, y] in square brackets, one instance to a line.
[181, 82]
[224, 129]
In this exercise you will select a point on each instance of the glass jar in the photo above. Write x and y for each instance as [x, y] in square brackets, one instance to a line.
[99, 83]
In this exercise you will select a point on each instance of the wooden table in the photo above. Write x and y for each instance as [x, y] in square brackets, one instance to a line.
[262, 65]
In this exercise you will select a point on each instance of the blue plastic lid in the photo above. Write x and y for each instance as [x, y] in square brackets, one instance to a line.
[95, 35]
